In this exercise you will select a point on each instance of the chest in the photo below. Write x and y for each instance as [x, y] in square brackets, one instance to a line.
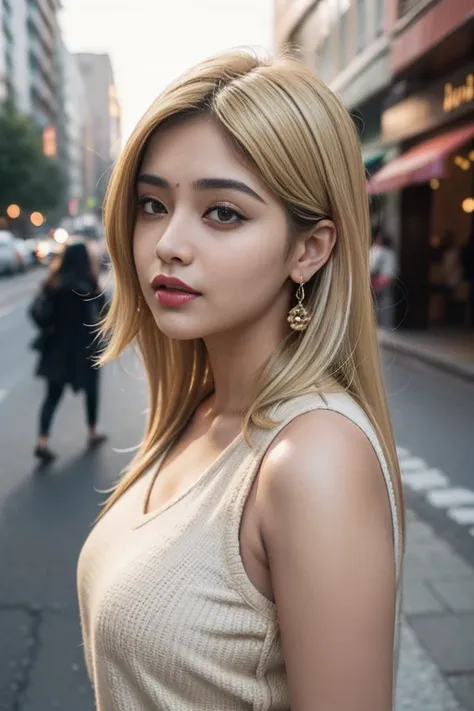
[163, 588]
[184, 465]
[184, 468]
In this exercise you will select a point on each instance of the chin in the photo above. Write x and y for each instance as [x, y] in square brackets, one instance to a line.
[178, 328]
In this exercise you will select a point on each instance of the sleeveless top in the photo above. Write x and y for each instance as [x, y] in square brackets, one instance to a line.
[170, 619]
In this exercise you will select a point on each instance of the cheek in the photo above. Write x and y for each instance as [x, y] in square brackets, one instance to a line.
[251, 271]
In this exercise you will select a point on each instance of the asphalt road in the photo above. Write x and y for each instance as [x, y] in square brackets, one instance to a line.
[433, 416]
[44, 519]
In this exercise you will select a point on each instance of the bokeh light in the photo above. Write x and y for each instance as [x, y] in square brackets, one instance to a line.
[13, 211]
[61, 235]
[36, 219]
[468, 205]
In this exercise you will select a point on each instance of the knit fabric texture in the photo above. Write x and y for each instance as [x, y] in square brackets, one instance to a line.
[170, 620]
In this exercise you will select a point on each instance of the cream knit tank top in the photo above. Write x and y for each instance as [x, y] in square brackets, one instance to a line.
[170, 619]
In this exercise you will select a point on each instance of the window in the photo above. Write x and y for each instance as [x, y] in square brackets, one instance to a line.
[361, 25]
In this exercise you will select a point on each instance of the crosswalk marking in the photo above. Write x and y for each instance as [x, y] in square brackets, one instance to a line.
[457, 501]
[412, 464]
[445, 498]
[463, 515]
[425, 480]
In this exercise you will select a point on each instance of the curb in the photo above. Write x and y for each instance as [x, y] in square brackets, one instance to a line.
[390, 342]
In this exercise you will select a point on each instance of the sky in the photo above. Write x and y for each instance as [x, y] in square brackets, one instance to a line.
[153, 41]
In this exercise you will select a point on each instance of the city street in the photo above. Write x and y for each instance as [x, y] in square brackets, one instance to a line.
[45, 517]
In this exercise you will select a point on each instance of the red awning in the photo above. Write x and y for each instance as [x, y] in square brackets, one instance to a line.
[418, 165]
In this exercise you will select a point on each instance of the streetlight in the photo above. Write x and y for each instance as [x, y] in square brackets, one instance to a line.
[36, 219]
[13, 211]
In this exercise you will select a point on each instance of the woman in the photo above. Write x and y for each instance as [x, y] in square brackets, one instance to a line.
[250, 557]
[67, 311]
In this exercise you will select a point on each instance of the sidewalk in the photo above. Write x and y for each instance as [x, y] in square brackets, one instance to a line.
[436, 671]
[449, 350]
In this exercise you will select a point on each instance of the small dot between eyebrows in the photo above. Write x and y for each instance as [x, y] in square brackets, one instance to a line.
[177, 185]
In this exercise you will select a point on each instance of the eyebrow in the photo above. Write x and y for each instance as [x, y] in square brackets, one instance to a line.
[203, 184]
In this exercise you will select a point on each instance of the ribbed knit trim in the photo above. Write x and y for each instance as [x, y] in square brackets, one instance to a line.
[208, 473]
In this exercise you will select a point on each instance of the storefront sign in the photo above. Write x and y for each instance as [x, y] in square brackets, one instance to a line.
[440, 103]
[456, 96]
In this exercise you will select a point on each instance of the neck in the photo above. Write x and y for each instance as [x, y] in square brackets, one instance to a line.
[237, 360]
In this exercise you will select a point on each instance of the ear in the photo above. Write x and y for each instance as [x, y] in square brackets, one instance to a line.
[313, 251]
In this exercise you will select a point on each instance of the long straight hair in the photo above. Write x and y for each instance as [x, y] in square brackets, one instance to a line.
[73, 267]
[299, 139]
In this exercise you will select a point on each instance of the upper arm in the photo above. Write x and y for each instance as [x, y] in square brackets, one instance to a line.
[327, 530]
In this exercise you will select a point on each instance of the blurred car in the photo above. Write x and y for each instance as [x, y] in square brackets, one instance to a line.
[32, 245]
[47, 249]
[26, 255]
[10, 260]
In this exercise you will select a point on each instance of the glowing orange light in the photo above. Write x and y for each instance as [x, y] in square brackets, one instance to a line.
[13, 211]
[49, 141]
[36, 219]
[468, 205]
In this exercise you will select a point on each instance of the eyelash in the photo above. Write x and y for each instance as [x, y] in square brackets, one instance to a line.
[142, 201]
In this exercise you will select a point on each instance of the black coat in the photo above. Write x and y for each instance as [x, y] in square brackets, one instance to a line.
[69, 343]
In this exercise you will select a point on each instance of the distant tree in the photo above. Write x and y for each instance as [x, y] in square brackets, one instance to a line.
[27, 177]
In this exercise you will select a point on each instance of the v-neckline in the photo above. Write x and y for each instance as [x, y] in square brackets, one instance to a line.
[145, 516]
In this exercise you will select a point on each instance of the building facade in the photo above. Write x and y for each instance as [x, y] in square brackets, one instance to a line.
[104, 137]
[404, 70]
[43, 80]
[29, 71]
[73, 129]
[6, 50]
[428, 119]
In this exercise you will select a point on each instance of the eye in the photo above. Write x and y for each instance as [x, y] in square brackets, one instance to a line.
[224, 215]
[151, 206]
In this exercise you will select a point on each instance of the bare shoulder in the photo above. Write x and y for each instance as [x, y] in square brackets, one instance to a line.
[326, 527]
[324, 455]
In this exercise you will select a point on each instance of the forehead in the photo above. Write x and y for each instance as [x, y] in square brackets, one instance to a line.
[196, 148]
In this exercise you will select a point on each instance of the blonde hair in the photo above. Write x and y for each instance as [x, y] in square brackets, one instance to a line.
[303, 144]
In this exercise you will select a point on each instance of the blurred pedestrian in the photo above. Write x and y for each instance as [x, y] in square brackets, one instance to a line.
[250, 557]
[67, 311]
[383, 271]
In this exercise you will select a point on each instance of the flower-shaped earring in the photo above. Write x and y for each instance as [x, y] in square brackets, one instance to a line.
[299, 318]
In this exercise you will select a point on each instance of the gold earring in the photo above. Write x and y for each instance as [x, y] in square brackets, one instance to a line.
[298, 318]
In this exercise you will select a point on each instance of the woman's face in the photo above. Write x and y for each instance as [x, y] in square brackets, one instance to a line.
[203, 217]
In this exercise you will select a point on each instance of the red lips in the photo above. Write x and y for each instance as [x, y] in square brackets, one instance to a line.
[172, 283]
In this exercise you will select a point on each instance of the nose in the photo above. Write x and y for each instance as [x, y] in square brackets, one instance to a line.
[172, 246]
